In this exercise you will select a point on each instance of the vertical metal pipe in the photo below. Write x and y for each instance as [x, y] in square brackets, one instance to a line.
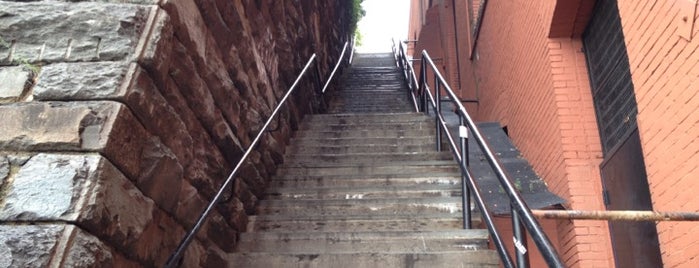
[465, 191]
[423, 84]
[520, 241]
[438, 113]
[318, 93]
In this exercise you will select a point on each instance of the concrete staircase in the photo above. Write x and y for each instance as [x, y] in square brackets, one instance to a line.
[364, 187]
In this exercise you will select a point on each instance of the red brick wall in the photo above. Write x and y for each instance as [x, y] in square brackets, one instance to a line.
[665, 72]
[538, 87]
[529, 73]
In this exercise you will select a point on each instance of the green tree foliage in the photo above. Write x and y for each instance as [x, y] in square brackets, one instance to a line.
[356, 13]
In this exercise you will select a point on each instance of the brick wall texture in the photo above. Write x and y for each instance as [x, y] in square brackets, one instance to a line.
[664, 69]
[121, 119]
[529, 73]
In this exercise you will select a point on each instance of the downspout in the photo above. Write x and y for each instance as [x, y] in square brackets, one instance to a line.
[456, 44]
[477, 30]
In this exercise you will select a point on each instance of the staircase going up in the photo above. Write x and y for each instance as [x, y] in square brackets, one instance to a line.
[363, 186]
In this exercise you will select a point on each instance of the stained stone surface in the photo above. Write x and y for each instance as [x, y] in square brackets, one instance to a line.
[136, 113]
[14, 80]
[55, 245]
[44, 188]
[4, 168]
[27, 245]
[57, 31]
[80, 81]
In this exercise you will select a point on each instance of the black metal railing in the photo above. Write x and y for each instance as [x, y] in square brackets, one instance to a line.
[522, 218]
[175, 259]
[332, 74]
[406, 67]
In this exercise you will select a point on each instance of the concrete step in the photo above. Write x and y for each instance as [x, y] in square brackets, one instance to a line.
[348, 180]
[372, 118]
[395, 104]
[377, 90]
[373, 168]
[366, 192]
[363, 186]
[368, 111]
[360, 148]
[358, 141]
[364, 242]
[357, 223]
[418, 124]
[395, 206]
[373, 101]
[369, 123]
[466, 259]
[366, 133]
[332, 160]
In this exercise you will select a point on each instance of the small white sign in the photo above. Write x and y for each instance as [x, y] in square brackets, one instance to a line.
[522, 250]
[463, 132]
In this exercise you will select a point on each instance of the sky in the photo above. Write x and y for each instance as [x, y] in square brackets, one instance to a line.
[384, 19]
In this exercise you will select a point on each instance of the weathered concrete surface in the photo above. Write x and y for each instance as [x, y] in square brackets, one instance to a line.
[408, 213]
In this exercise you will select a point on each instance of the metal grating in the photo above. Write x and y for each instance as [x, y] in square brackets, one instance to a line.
[610, 77]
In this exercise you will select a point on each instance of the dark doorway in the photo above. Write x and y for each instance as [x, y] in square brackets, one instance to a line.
[635, 244]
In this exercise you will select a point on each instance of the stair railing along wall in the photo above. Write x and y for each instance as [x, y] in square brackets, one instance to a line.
[175, 258]
[522, 217]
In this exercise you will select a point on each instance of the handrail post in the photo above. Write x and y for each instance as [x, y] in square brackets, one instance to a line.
[318, 92]
[423, 89]
[438, 109]
[520, 240]
[465, 191]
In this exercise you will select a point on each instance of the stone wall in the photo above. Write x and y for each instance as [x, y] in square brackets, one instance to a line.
[120, 120]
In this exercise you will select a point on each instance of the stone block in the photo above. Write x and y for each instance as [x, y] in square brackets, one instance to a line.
[199, 255]
[85, 189]
[197, 94]
[194, 256]
[205, 58]
[56, 31]
[160, 238]
[86, 250]
[81, 81]
[13, 81]
[90, 192]
[127, 83]
[216, 227]
[55, 245]
[157, 51]
[208, 164]
[106, 127]
[55, 126]
[161, 175]
[4, 168]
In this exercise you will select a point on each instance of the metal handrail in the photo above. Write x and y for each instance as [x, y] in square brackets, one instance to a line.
[174, 259]
[521, 214]
[408, 72]
[332, 74]
[354, 42]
